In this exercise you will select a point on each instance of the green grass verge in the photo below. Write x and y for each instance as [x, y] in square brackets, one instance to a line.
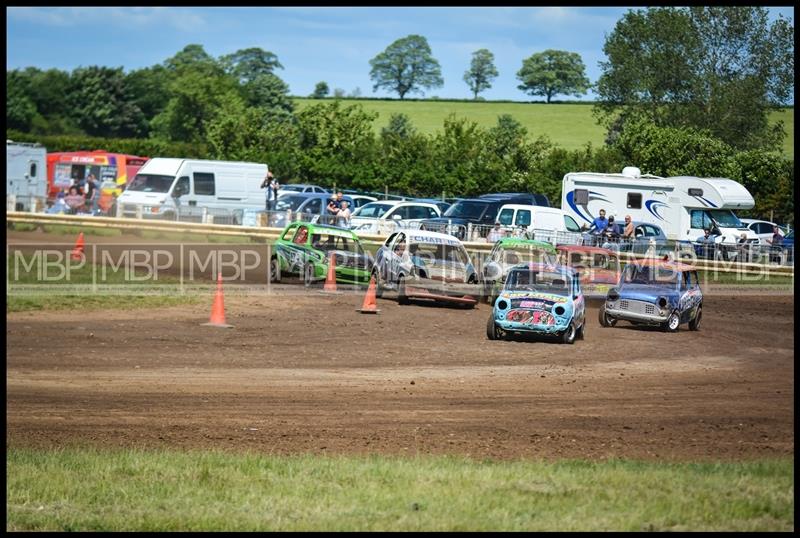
[90, 489]
[568, 125]
[23, 273]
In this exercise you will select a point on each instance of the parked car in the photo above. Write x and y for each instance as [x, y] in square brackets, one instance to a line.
[311, 207]
[304, 249]
[361, 199]
[426, 265]
[655, 292]
[294, 188]
[788, 246]
[539, 299]
[481, 212]
[762, 228]
[541, 223]
[386, 216]
[598, 268]
[443, 206]
[507, 253]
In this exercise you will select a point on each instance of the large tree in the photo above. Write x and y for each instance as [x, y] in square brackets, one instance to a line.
[481, 71]
[553, 72]
[247, 64]
[716, 68]
[406, 65]
[101, 103]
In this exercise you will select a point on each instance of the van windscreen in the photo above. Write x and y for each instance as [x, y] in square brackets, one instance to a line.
[151, 183]
[466, 210]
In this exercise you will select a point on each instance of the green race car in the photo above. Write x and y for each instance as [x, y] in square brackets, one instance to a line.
[507, 253]
[304, 249]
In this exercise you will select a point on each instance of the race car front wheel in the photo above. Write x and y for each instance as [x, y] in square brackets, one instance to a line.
[402, 298]
[308, 275]
[378, 287]
[673, 322]
[491, 329]
[605, 319]
[568, 336]
[275, 270]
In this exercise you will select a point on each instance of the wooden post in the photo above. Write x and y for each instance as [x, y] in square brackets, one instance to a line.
[386, 192]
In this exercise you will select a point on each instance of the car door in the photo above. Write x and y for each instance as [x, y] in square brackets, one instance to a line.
[299, 250]
[383, 256]
[398, 248]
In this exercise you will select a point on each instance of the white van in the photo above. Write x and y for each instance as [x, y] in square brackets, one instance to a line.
[540, 223]
[164, 187]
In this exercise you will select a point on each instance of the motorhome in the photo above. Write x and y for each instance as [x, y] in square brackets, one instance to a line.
[26, 175]
[683, 206]
[163, 187]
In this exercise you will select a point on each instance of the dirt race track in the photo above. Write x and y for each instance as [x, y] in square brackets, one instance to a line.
[307, 373]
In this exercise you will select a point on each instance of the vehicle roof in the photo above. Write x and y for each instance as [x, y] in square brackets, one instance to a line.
[316, 195]
[302, 185]
[751, 221]
[432, 235]
[510, 241]
[317, 226]
[660, 262]
[545, 267]
[586, 249]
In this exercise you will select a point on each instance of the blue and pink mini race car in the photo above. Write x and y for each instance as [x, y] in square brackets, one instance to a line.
[539, 299]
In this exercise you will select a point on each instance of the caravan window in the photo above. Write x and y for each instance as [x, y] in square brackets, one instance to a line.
[581, 196]
[204, 183]
[33, 170]
[634, 200]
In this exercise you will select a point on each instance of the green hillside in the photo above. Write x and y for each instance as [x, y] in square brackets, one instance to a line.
[567, 125]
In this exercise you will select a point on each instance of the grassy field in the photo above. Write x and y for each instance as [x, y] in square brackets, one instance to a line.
[89, 489]
[568, 125]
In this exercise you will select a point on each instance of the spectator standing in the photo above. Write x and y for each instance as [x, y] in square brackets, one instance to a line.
[92, 192]
[334, 205]
[75, 200]
[495, 234]
[599, 224]
[343, 216]
[628, 232]
[272, 186]
[776, 244]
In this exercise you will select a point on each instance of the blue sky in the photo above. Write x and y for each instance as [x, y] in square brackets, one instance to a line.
[313, 43]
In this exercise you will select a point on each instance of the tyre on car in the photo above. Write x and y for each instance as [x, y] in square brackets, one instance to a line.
[275, 270]
[605, 319]
[491, 329]
[694, 325]
[402, 298]
[672, 323]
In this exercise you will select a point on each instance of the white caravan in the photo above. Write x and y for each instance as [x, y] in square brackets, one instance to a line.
[542, 223]
[163, 187]
[26, 174]
[683, 206]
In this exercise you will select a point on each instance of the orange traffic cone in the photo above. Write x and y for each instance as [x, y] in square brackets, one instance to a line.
[369, 306]
[77, 252]
[330, 280]
[218, 308]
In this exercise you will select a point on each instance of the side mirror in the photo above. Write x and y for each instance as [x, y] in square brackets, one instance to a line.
[397, 217]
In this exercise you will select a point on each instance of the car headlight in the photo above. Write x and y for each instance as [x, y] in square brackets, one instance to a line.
[613, 294]
[559, 310]
[502, 304]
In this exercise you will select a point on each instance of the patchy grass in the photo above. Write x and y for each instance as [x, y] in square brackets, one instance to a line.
[127, 490]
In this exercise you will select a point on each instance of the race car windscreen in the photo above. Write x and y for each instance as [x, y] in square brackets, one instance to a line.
[638, 274]
[593, 261]
[538, 281]
[328, 242]
[513, 256]
[425, 254]
[151, 183]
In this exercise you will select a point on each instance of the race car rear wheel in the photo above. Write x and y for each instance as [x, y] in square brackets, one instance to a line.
[568, 336]
[672, 323]
[695, 323]
[605, 319]
[402, 298]
[274, 270]
[491, 329]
